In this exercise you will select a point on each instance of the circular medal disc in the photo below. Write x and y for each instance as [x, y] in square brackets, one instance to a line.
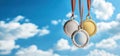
[80, 38]
[70, 26]
[90, 26]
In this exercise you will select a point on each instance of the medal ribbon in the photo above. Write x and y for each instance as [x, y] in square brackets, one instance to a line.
[73, 3]
[81, 9]
[88, 5]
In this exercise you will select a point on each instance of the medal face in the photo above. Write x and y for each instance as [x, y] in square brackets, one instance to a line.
[80, 38]
[90, 26]
[70, 26]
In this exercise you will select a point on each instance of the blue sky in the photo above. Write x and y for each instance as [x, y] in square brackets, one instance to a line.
[35, 28]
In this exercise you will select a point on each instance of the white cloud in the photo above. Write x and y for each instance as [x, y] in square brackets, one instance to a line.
[55, 22]
[97, 52]
[63, 44]
[44, 31]
[105, 26]
[118, 17]
[68, 15]
[107, 43]
[112, 28]
[74, 48]
[109, 27]
[34, 51]
[59, 21]
[103, 10]
[110, 42]
[13, 30]
[88, 46]
[116, 37]
[18, 18]
[6, 46]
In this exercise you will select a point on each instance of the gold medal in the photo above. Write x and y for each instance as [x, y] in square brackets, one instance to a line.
[90, 26]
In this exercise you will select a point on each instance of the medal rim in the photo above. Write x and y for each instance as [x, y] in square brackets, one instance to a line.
[80, 46]
[65, 30]
[90, 21]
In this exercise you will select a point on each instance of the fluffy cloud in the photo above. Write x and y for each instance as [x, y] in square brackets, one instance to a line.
[74, 48]
[112, 28]
[110, 42]
[105, 26]
[109, 27]
[44, 31]
[7, 45]
[88, 46]
[97, 52]
[107, 43]
[34, 51]
[55, 22]
[18, 18]
[13, 30]
[63, 44]
[118, 17]
[103, 10]
[116, 37]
